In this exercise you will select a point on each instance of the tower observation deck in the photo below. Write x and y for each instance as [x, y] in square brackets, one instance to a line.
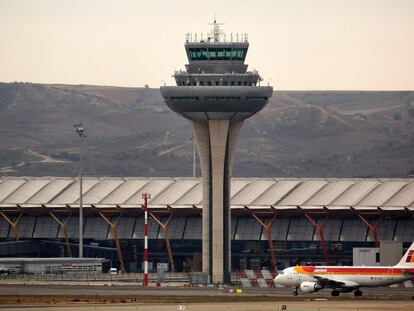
[216, 93]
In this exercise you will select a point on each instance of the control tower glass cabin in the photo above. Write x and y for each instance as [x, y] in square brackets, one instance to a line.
[216, 93]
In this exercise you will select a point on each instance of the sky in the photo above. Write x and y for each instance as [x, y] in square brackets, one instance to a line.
[294, 44]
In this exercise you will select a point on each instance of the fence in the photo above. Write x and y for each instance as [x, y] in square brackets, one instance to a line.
[104, 277]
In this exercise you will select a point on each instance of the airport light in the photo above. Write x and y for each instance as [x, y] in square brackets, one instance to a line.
[146, 197]
[81, 132]
[194, 157]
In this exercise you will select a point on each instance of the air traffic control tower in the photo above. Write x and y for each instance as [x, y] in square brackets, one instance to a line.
[216, 93]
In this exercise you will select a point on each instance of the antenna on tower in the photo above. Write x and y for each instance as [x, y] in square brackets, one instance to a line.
[216, 31]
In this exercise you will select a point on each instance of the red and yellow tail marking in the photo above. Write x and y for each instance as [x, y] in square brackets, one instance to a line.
[410, 257]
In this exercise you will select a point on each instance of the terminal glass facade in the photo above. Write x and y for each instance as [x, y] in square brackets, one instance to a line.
[294, 238]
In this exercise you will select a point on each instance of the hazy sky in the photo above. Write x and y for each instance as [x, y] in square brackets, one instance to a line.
[295, 44]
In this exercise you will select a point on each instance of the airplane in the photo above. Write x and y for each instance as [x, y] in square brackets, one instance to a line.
[345, 279]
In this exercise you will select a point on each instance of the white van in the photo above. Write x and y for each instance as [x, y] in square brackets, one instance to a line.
[113, 271]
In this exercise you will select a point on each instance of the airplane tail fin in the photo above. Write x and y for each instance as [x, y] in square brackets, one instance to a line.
[408, 259]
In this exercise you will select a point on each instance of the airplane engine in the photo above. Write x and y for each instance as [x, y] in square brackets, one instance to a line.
[310, 287]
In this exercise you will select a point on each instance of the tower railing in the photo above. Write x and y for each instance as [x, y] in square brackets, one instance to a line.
[209, 39]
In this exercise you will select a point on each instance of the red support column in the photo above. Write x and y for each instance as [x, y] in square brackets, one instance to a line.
[373, 228]
[320, 227]
[268, 229]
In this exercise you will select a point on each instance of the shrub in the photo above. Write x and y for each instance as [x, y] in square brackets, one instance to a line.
[397, 116]
[411, 112]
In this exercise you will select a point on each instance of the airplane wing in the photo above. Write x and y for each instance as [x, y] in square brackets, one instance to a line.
[332, 283]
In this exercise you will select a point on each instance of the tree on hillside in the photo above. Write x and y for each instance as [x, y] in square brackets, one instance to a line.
[411, 112]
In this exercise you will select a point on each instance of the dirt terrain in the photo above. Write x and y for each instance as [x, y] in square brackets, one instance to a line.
[131, 132]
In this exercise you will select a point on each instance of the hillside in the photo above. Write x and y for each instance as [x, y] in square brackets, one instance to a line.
[131, 132]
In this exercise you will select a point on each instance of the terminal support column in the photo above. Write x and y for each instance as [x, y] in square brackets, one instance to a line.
[320, 227]
[63, 225]
[112, 225]
[373, 227]
[164, 227]
[267, 227]
[13, 224]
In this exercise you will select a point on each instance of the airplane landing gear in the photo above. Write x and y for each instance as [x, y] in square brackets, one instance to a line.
[335, 293]
[295, 291]
[357, 293]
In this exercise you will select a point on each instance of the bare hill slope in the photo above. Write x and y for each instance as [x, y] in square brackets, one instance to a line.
[130, 132]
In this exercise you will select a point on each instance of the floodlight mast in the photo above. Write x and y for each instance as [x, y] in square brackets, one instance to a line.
[146, 197]
[194, 156]
[81, 132]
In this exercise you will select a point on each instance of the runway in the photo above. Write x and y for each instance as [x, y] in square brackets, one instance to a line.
[244, 306]
[128, 290]
[61, 298]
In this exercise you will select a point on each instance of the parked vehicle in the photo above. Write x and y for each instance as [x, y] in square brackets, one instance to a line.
[4, 271]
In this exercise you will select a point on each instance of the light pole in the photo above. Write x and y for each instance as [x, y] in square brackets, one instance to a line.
[146, 197]
[194, 157]
[81, 132]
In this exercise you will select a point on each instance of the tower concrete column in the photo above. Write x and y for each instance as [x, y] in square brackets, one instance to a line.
[216, 142]
[202, 136]
[233, 137]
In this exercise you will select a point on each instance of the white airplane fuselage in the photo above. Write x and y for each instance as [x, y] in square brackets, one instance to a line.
[363, 276]
[311, 279]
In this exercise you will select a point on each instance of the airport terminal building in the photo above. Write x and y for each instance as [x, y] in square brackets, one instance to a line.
[274, 222]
